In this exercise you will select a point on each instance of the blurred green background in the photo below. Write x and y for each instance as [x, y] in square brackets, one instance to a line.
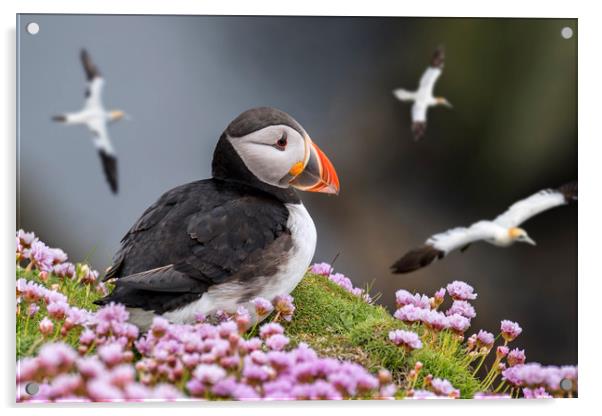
[512, 132]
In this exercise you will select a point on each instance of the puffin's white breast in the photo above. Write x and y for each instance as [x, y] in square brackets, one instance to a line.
[290, 272]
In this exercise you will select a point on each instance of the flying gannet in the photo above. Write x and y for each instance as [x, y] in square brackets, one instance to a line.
[95, 117]
[503, 231]
[423, 97]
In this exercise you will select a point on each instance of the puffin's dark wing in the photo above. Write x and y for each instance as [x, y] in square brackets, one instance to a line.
[89, 68]
[162, 279]
[196, 236]
[109, 166]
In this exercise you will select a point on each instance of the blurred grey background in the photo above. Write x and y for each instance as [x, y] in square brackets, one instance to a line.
[513, 131]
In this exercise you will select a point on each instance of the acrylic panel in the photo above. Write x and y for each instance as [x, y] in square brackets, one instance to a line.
[295, 208]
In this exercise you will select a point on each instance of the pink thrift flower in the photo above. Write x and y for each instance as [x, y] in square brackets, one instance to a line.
[25, 239]
[324, 269]
[458, 323]
[516, 357]
[485, 339]
[101, 390]
[41, 256]
[209, 374]
[159, 326]
[537, 393]
[270, 329]
[90, 367]
[46, 326]
[242, 318]
[277, 342]
[58, 310]
[407, 339]
[56, 357]
[438, 298]
[66, 270]
[263, 307]
[122, 375]
[409, 313]
[403, 298]
[284, 306]
[58, 256]
[443, 387]
[435, 320]
[461, 307]
[111, 354]
[421, 395]
[32, 309]
[510, 330]
[502, 351]
[461, 291]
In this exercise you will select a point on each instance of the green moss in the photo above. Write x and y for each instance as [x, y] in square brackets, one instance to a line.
[29, 338]
[338, 324]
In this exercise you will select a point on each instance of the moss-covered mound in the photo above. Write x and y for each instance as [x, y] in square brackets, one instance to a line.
[341, 325]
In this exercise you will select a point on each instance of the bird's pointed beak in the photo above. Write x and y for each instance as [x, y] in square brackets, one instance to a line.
[529, 240]
[448, 104]
[127, 117]
[318, 174]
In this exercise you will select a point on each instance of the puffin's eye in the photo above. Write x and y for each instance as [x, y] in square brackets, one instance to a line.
[282, 142]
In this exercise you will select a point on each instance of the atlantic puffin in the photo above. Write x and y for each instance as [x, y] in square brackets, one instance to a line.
[216, 244]
[503, 231]
[94, 116]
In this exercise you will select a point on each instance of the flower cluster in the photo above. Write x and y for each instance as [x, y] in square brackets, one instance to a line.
[210, 361]
[432, 388]
[63, 375]
[59, 318]
[419, 308]
[38, 256]
[407, 339]
[533, 380]
[340, 279]
[535, 377]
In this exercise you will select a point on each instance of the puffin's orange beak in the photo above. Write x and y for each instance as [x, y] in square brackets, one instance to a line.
[318, 175]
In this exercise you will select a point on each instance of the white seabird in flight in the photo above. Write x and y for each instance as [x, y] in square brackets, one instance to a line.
[95, 117]
[423, 97]
[503, 231]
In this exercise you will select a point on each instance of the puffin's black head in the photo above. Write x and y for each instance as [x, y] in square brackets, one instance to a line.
[267, 145]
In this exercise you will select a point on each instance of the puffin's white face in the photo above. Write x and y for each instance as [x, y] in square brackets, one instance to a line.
[278, 152]
[275, 154]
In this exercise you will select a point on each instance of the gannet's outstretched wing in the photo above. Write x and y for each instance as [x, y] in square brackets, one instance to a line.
[440, 245]
[543, 200]
[432, 73]
[106, 152]
[404, 95]
[95, 81]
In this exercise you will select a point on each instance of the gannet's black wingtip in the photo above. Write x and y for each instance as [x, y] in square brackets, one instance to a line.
[569, 191]
[89, 67]
[418, 130]
[438, 58]
[417, 259]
